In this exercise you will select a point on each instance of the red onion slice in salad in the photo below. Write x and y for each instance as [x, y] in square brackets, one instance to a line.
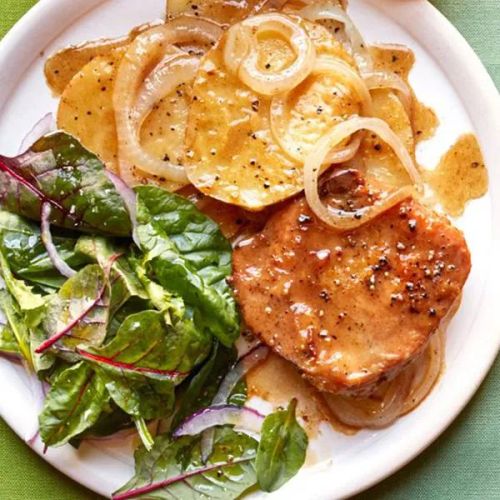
[44, 126]
[240, 369]
[129, 199]
[54, 256]
[245, 419]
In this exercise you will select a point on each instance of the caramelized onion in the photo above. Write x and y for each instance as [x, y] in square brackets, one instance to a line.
[326, 11]
[341, 219]
[397, 397]
[241, 53]
[387, 80]
[351, 79]
[145, 52]
[426, 372]
[374, 412]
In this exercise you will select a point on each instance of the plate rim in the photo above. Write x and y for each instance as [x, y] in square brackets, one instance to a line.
[441, 32]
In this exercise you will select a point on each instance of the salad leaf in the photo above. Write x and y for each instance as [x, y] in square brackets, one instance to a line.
[148, 346]
[188, 255]
[133, 306]
[111, 421]
[282, 449]
[200, 389]
[14, 329]
[73, 404]
[8, 342]
[140, 365]
[124, 283]
[59, 171]
[140, 396]
[22, 246]
[173, 469]
[23, 294]
[79, 313]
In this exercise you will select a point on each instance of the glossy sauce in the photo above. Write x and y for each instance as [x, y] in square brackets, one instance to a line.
[381, 163]
[65, 64]
[276, 381]
[461, 176]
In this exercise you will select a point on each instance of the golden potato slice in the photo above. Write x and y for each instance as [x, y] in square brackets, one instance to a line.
[66, 63]
[86, 111]
[382, 164]
[233, 155]
[86, 108]
[392, 57]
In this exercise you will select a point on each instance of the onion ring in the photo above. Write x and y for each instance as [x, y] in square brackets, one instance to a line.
[326, 11]
[346, 74]
[241, 54]
[146, 50]
[397, 397]
[340, 219]
[387, 80]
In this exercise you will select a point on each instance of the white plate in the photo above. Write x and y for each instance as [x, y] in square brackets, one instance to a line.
[449, 77]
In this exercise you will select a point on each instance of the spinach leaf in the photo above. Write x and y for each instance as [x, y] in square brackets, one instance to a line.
[24, 295]
[133, 306]
[282, 449]
[188, 255]
[16, 324]
[139, 395]
[73, 404]
[59, 171]
[145, 344]
[173, 469]
[111, 421]
[79, 313]
[8, 342]
[199, 390]
[124, 283]
[143, 363]
[22, 246]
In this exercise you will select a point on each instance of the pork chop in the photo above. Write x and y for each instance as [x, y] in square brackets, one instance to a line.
[350, 309]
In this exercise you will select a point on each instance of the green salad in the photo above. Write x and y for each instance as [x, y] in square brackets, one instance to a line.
[118, 301]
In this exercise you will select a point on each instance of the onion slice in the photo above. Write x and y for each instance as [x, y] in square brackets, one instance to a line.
[241, 53]
[240, 369]
[245, 419]
[387, 80]
[398, 397]
[43, 127]
[326, 11]
[426, 372]
[46, 236]
[145, 51]
[129, 199]
[340, 219]
[174, 70]
[351, 79]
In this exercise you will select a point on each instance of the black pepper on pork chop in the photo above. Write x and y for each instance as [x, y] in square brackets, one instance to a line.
[350, 309]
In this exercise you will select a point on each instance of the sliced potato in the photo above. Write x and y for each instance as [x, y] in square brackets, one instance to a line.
[86, 111]
[382, 164]
[393, 57]
[233, 155]
[65, 64]
[86, 108]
